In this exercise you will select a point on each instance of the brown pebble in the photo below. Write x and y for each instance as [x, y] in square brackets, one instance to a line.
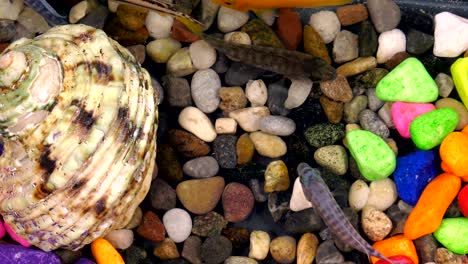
[289, 28]
[307, 248]
[188, 144]
[151, 228]
[445, 256]
[169, 167]
[245, 149]
[357, 66]
[131, 17]
[352, 14]
[333, 110]
[181, 33]
[376, 224]
[124, 36]
[3, 46]
[166, 249]
[283, 249]
[238, 202]
[192, 250]
[314, 44]
[239, 236]
[396, 60]
[139, 52]
[276, 177]
[200, 196]
[232, 98]
[337, 89]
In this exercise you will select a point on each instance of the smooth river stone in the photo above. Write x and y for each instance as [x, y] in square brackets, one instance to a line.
[201, 167]
[458, 107]
[374, 157]
[450, 34]
[404, 113]
[408, 82]
[460, 78]
[430, 129]
[21, 255]
[452, 233]
[198, 123]
[200, 196]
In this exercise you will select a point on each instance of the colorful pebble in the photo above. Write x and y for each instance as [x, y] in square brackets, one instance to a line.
[460, 78]
[396, 246]
[16, 254]
[397, 259]
[453, 234]
[404, 113]
[432, 205]
[412, 174]
[105, 253]
[2, 230]
[84, 261]
[16, 237]
[430, 129]
[463, 201]
[454, 154]
[374, 157]
[408, 82]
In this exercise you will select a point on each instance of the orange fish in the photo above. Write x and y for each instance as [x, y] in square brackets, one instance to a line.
[245, 5]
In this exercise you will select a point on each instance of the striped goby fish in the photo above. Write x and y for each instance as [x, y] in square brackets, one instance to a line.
[47, 11]
[317, 192]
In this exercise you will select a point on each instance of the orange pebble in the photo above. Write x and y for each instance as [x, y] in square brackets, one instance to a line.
[395, 246]
[454, 153]
[445, 167]
[465, 130]
[428, 213]
[105, 253]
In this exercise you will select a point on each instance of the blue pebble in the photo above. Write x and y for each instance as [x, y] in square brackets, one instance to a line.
[15, 254]
[412, 174]
[84, 261]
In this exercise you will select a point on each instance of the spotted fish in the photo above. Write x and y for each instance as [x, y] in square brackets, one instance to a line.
[317, 192]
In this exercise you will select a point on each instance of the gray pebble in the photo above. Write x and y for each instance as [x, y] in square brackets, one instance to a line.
[418, 42]
[385, 114]
[134, 255]
[202, 167]
[426, 247]
[22, 32]
[216, 249]
[258, 191]
[159, 96]
[239, 74]
[445, 84]
[224, 147]
[96, 18]
[373, 101]
[327, 253]
[385, 14]
[278, 204]
[222, 63]
[277, 125]
[204, 88]
[370, 121]
[303, 222]
[345, 47]
[177, 91]
[353, 108]
[192, 250]
[7, 30]
[162, 195]
[277, 95]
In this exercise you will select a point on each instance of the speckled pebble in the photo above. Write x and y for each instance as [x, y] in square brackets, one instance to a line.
[333, 158]
[224, 147]
[205, 87]
[353, 108]
[370, 121]
[277, 125]
[375, 224]
[201, 167]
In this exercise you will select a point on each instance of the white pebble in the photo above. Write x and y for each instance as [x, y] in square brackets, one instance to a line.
[256, 92]
[230, 19]
[390, 43]
[267, 15]
[327, 25]
[112, 5]
[238, 37]
[226, 125]
[180, 64]
[161, 50]
[202, 54]
[277, 125]
[249, 118]
[121, 239]
[358, 195]
[259, 245]
[10, 9]
[205, 88]
[298, 92]
[382, 194]
[268, 145]
[298, 200]
[450, 35]
[198, 123]
[159, 25]
[78, 11]
[178, 224]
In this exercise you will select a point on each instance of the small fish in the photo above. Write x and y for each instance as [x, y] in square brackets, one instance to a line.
[291, 64]
[317, 192]
[47, 11]
[245, 5]
[160, 6]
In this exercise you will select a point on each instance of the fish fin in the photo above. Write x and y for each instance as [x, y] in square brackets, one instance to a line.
[160, 6]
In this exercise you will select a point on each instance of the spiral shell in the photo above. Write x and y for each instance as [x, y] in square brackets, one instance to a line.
[78, 115]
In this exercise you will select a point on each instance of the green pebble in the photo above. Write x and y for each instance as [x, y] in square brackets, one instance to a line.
[453, 234]
[429, 130]
[408, 82]
[375, 159]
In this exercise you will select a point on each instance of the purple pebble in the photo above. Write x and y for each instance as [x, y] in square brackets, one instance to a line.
[15, 254]
[84, 261]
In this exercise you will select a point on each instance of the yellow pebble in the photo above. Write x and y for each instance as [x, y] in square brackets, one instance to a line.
[460, 78]
[105, 253]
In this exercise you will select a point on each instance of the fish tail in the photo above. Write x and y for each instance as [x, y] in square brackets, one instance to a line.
[47, 11]
[330, 2]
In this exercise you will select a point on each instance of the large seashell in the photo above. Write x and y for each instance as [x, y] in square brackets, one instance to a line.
[78, 115]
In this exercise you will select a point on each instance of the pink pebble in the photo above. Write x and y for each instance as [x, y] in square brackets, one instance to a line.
[404, 113]
[15, 237]
[2, 230]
